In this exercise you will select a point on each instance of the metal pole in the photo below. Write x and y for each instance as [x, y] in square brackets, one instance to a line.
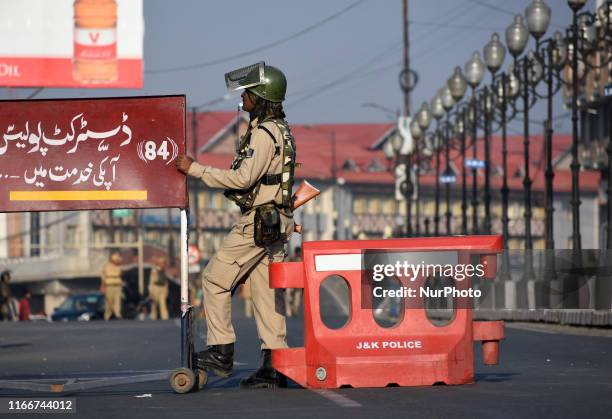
[406, 63]
[487, 150]
[417, 204]
[575, 165]
[409, 190]
[504, 189]
[474, 170]
[549, 173]
[437, 206]
[464, 222]
[447, 186]
[184, 263]
[505, 271]
[140, 256]
[195, 204]
[186, 313]
[528, 272]
[406, 56]
[334, 186]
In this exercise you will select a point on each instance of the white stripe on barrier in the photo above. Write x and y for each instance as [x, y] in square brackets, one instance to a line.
[346, 262]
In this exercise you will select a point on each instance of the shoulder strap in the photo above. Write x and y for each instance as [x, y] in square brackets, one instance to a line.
[276, 146]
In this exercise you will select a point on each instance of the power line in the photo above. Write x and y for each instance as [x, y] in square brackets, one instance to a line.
[258, 49]
[451, 25]
[351, 75]
[505, 11]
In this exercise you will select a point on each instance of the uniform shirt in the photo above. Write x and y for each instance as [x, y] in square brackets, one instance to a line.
[111, 274]
[262, 160]
[158, 277]
[5, 292]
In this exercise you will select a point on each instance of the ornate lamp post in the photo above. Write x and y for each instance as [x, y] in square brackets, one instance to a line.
[437, 110]
[415, 131]
[474, 72]
[575, 5]
[458, 85]
[423, 119]
[494, 54]
[397, 142]
[529, 71]
[447, 103]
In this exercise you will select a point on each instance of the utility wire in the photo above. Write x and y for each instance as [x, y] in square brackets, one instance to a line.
[258, 49]
[506, 11]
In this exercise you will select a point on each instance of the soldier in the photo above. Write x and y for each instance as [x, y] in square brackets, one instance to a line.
[112, 286]
[260, 181]
[158, 289]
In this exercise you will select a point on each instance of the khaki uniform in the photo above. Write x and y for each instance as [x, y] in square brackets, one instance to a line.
[239, 257]
[113, 287]
[158, 291]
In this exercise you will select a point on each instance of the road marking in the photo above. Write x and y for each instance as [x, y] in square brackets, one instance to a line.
[78, 195]
[339, 399]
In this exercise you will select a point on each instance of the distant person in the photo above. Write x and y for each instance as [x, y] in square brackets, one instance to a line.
[158, 289]
[5, 296]
[24, 307]
[112, 286]
[293, 296]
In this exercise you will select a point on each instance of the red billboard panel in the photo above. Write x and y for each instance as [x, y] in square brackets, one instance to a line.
[71, 43]
[80, 154]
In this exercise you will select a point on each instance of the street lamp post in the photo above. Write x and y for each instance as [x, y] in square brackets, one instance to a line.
[474, 72]
[447, 103]
[437, 110]
[458, 85]
[415, 131]
[517, 36]
[423, 119]
[494, 54]
[575, 5]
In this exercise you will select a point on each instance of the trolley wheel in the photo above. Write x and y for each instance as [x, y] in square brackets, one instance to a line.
[182, 380]
[202, 379]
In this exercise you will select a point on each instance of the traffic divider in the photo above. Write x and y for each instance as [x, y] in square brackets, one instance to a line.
[362, 353]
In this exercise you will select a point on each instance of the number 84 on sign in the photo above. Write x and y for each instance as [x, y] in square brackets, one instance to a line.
[153, 150]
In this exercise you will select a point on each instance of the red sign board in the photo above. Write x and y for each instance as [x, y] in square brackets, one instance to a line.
[81, 154]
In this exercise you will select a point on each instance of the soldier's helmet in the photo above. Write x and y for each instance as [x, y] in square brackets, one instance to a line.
[273, 87]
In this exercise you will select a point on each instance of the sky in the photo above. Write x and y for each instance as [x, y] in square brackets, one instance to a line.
[349, 60]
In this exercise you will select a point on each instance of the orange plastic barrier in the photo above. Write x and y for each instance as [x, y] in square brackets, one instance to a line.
[414, 352]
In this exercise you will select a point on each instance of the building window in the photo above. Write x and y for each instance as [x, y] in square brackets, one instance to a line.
[374, 205]
[359, 205]
[388, 207]
[218, 201]
[203, 199]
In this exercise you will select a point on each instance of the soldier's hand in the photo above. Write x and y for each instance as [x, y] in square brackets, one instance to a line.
[183, 162]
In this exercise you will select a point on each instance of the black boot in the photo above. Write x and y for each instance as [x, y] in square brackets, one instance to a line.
[265, 376]
[217, 358]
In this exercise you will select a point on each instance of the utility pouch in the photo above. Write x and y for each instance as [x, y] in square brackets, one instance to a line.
[267, 225]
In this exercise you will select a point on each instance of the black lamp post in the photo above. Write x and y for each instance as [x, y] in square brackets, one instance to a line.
[575, 5]
[517, 36]
[437, 111]
[415, 131]
[494, 54]
[474, 72]
[448, 176]
[423, 120]
[458, 85]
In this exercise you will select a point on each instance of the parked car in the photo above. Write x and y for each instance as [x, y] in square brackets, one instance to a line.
[90, 306]
[82, 307]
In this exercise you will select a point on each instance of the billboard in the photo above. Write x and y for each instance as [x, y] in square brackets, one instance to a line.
[71, 43]
[80, 154]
